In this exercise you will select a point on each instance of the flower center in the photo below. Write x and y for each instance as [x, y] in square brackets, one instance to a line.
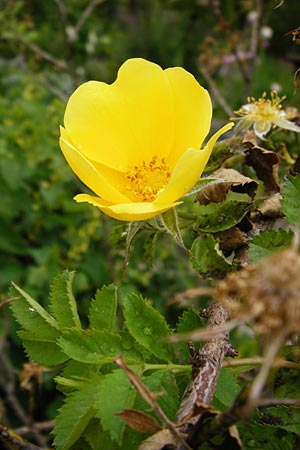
[146, 180]
[263, 109]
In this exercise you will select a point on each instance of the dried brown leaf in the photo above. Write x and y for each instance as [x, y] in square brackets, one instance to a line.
[158, 441]
[229, 179]
[265, 164]
[140, 421]
[231, 240]
[271, 207]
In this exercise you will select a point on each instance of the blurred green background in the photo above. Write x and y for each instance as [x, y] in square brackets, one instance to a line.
[47, 48]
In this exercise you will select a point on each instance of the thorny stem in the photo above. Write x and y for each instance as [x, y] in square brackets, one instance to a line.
[204, 377]
[206, 368]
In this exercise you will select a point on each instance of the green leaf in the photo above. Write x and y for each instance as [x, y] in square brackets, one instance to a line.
[170, 222]
[102, 314]
[114, 394]
[189, 321]
[207, 258]
[265, 437]
[95, 346]
[74, 375]
[147, 326]
[32, 316]
[214, 218]
[291, 200]
[162, 381]
[226, 391]
[74, 416]
[287, 418]
[97, 438]
[267, 242]
[35, 346]
[62, 302]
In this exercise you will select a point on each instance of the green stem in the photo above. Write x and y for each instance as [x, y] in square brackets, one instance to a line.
[172, 367]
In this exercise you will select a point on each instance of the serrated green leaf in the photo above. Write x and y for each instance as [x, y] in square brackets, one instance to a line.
[147, 326]
[114, 394]
[102, 313]
[291, 200]
[189, 321]
[162, 381]
[32, 316]
[80, 445]
[267, 242]
[207, 258]
[214, 217]
[95, 347]
[62, 301]
[287, 418]
[74, 375]
[170, 222]
[97, 438]
[74, 416]
[226, 391]
[265, 437]
[35, 346]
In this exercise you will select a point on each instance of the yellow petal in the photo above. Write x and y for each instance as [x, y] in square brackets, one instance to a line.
[210, 144]
[124, 123]
[189, 169]
[88, 173]
[193, 111]
[127, 211]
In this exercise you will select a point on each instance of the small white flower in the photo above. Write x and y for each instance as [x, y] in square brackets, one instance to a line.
[266, 32]
[252, 16]
[265, 113]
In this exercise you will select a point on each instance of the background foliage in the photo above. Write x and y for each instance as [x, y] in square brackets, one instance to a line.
[46, 50]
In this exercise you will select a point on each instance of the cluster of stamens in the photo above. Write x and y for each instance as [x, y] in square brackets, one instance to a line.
[263, 108]
[147, 179]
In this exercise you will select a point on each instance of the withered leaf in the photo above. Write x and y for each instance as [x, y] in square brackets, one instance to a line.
[271, 207]
[231, 239]
[229, 179]
[139, 421]
[265, 163]
[159, 440]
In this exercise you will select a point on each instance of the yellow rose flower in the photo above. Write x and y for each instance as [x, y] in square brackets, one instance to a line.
[136, 143]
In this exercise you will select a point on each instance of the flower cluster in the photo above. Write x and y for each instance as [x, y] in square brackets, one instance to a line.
[137, 142]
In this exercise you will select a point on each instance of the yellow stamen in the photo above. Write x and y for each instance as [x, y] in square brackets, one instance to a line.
[264, 109]
[146, 180]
